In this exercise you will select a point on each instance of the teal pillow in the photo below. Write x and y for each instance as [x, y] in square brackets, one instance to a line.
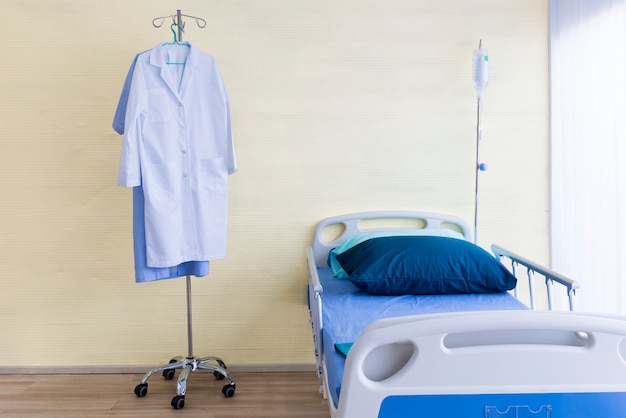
[338, 271]
[424, 265]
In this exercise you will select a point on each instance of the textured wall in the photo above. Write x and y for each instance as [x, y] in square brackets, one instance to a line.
[338, 106]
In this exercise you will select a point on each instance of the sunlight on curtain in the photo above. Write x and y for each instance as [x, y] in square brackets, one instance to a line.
[588, 149]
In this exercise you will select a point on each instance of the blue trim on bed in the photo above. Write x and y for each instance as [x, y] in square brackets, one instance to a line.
[522, 405]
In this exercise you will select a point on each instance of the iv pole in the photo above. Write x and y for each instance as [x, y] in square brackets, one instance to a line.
[479, 167]
[480, 74]
[191, 363]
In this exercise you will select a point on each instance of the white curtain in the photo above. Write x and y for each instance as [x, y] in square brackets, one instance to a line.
[588, 149]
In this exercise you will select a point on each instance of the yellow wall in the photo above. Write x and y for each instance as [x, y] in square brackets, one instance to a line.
[338, 106]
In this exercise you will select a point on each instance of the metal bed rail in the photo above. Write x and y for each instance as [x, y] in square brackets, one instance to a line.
[315, 291]
[532, 268]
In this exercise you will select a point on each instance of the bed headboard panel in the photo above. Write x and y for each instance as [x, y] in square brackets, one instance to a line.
[353, 224]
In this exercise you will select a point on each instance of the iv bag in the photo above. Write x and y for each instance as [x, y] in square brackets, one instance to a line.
[480, 61]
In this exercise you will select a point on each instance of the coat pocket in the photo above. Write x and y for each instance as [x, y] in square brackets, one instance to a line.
[214, 175]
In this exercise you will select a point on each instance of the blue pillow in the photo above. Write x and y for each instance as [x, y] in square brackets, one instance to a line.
[424, 265]
[339, 273]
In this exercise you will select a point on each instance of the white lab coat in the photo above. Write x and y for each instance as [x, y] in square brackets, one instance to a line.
[178, 145]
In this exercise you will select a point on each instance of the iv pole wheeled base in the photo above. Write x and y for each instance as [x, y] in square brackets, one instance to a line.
[187, 365]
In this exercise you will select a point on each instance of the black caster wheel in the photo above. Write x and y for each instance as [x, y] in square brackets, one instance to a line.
[178, 402]
[141, 390]
[228, 391]
[218, 375]
[169, 374]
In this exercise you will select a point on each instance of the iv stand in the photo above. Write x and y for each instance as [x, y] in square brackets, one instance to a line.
[190, 363]
[479, 133]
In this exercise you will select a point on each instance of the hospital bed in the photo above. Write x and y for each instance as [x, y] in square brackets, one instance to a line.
[463, 352]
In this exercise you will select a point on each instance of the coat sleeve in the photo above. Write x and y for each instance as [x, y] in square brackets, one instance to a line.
[232, 159]
[129, 174]
[120, 112]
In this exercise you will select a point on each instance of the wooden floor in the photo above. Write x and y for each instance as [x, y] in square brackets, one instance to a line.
[270, 395]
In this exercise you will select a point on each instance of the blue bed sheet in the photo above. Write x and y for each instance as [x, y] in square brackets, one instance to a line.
[347, 311]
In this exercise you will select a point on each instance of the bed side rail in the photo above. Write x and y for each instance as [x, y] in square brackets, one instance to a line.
[532, 268]
[315, 291]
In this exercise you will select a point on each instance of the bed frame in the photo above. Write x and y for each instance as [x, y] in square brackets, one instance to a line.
[485, 364]
[480, 364]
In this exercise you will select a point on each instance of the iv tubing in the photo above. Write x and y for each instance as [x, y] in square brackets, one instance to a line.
[478, 138]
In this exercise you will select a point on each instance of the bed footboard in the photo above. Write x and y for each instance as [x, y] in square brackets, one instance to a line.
[481, 364]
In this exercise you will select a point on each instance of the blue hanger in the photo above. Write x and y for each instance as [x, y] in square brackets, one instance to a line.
[176, 42]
